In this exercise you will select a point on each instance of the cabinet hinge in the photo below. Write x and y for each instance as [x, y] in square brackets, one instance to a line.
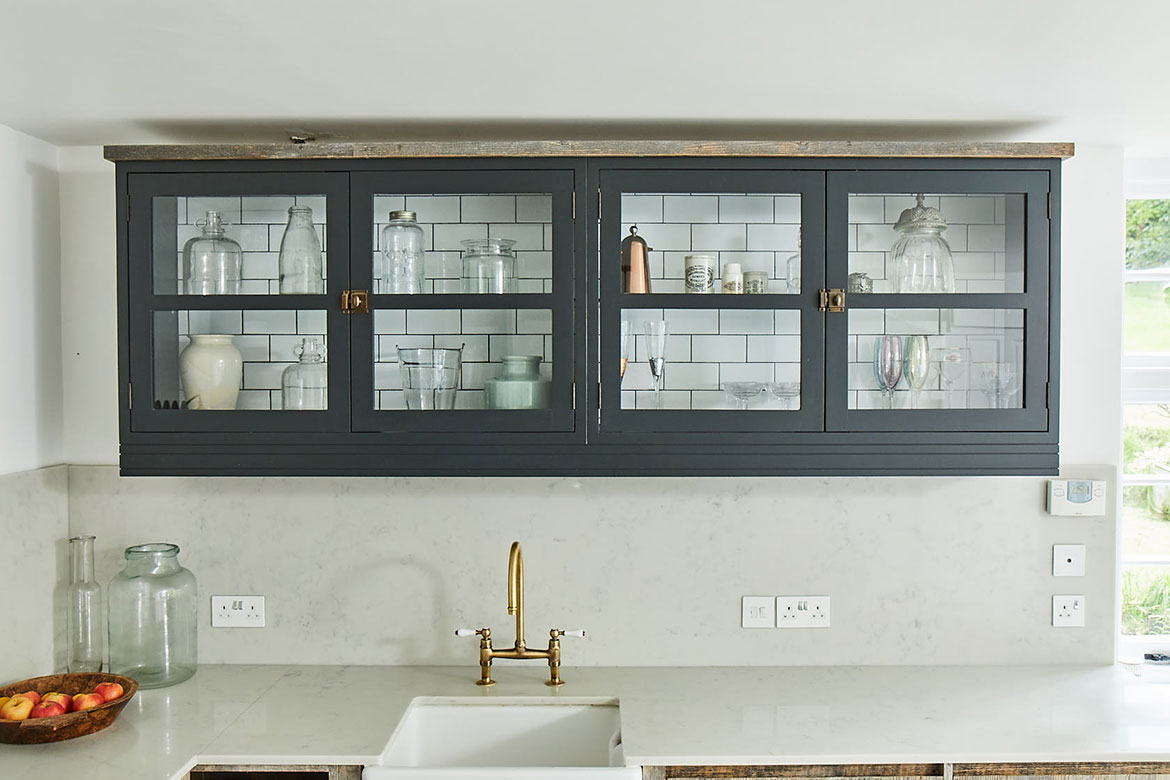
[130, 394]
[574, 204]
[1050, 205]
[1047, 395]
[599, 395]
[574, 395]
[355, 302]
[599, 205]
[831, 300]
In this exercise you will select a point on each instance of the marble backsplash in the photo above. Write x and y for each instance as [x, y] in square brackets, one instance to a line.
[380, 570]
[34, 545]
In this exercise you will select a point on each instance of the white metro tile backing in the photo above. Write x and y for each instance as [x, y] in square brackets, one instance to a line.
[266, 340]
[709, 347]
[760, 232]
[486, 336]
[257, 223]
[448, 220]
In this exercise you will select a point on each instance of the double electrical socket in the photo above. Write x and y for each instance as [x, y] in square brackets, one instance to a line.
[237, 612]
[785, 612]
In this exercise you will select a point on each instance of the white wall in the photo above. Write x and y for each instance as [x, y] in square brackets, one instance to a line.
[378, 571]
[30, 316]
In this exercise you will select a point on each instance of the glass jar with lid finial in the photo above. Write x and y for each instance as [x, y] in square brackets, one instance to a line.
[212, 262]
[305, 384]
[921, 257]
[402, 269]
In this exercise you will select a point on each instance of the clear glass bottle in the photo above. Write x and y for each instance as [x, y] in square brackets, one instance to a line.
[212, 262]
[403, 268]
[152, 610]
[85, 635]
[489, 266]
[921, 257]
[792, 265]
[305, 385]
[300, 254]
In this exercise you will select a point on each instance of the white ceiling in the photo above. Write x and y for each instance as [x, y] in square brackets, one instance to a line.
[133, 71]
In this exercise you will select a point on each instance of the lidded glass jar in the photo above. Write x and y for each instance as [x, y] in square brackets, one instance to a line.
[300, 254]
[489, 265]
[403, 268]
[520, 386]
[152, 610]
[921, 257]
[305, 385]
[212, 262]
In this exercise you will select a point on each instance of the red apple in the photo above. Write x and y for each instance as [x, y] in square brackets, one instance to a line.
[47, 709]
[32, 696]
[109, 690]
[87, 701]
[16, 708]
[64, 699]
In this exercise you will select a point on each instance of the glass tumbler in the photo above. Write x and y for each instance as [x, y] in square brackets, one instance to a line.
[86, 639]
[430, 377]
[152, 610]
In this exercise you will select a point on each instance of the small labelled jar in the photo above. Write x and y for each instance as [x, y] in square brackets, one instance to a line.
[733, 279]
[520, 386]
[755, 282]
[699, 273]
[489, 266]
[152, 617]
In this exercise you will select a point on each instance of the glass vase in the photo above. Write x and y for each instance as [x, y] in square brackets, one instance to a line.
[305, 385]
[152, 610]
[212, 262]
[489, 266]
[85, 636]
[300, 255]
[402, 269]
[520, 386]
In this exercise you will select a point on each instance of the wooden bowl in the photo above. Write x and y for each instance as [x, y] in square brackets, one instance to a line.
[71, 724]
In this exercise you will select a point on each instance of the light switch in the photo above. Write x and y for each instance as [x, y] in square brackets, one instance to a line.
[758, 612]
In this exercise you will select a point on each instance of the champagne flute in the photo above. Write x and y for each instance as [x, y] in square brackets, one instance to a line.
[887, 366]
[657, 332]
[625, 346]
[917, 366]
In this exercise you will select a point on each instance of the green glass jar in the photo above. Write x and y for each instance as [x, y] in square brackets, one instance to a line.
[520, 386]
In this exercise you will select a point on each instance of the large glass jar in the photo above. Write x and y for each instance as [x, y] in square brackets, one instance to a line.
[520, 386]
[152, 609]
[402, 268]
[489, 266]
[305, 385]
[921, 257]
[300, 254]
[212, 262]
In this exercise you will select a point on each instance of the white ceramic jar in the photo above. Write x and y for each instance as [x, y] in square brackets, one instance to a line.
[211, 369]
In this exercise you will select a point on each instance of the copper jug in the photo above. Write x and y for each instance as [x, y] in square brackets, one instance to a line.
[635, 263]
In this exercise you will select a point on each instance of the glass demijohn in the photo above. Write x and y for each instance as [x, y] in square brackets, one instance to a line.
[921, 257]
[86, 640]
[152, 610]
[212, 262]
[305, 385]
[489, 266]
[403, 269]
[300, 254]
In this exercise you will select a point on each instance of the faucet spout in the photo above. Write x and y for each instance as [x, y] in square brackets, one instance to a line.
[516, 591]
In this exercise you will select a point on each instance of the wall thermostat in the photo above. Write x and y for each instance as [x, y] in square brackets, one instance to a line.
[1078, 497]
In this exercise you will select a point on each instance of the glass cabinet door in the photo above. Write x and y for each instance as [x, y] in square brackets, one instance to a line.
[947, 301]
[471, 314]
[235, 279]
[709, 319]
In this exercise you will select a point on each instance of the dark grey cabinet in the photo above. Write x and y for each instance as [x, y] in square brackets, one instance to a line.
[666, 382]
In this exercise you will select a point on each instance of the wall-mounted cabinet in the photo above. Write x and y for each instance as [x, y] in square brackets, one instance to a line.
[471, 315]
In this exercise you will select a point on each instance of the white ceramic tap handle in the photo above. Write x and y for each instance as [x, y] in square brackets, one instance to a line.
[465, 632]
[577, 632]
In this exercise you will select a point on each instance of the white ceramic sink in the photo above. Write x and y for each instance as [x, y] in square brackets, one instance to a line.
[475, 739]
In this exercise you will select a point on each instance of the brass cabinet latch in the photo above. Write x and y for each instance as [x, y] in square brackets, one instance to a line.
[355, 302]
[832, 300]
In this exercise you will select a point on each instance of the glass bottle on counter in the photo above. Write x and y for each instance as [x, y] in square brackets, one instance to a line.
[152, 611]
[403, 268]
[305, 385]
[85, 636]
[212, 262]
[300, 254]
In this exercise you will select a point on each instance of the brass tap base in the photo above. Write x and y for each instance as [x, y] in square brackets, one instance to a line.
[485, 683]
[554, 683]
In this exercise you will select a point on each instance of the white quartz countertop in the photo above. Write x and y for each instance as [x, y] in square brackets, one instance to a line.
[745, 715]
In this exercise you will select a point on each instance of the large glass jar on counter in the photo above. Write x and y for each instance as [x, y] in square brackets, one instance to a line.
[152, 610]
[489, 265]
[212, 262]
[402, 269]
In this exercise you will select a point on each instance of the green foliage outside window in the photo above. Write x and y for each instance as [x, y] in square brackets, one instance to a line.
[1147, 234]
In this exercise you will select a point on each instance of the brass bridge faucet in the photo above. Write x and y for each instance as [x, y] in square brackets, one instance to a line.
[519, 650]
